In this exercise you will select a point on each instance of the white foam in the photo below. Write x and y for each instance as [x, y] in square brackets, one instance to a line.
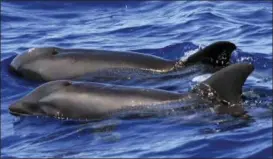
[190, 52]
[30, 50]
[201, 78]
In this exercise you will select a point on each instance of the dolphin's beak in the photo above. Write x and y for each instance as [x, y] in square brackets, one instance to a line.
[25, 109]
[17, 110]
[14, 71]
[13, 109]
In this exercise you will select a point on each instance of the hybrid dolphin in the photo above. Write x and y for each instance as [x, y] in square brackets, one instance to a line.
[52, 63]
[89, 100]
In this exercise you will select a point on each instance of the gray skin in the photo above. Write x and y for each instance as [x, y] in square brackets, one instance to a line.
[87, 100]
[52, 63]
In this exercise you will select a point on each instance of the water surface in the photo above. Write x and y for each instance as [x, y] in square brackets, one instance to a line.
[166, 29]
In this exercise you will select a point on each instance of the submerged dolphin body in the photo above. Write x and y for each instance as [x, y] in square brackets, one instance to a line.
[87, 100]
[52, 63]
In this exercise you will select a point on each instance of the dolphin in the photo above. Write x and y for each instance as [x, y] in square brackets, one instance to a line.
[53, 63]
[95, 101]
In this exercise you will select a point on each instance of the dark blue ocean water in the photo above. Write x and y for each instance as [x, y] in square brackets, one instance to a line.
[166, 29]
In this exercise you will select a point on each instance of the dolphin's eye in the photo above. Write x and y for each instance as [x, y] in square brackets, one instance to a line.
[54, 52]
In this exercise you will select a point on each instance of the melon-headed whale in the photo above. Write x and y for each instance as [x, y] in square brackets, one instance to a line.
[52, 63]
[90, 100]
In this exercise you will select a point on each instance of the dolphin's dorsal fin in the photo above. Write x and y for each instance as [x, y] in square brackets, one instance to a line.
[216, 54]
[228, 82]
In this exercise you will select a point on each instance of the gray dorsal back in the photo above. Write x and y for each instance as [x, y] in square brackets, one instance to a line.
[228, 81]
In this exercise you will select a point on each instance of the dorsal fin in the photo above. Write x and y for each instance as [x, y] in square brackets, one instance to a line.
[216, 54]
[228, 81]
